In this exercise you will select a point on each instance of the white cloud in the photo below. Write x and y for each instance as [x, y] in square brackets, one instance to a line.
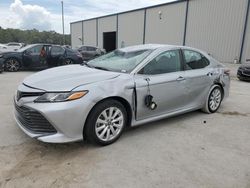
[31, 16]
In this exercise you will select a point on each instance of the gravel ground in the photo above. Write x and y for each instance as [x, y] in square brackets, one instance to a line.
[191, 150]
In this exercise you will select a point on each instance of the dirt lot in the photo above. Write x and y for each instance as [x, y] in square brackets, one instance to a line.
[191, 150]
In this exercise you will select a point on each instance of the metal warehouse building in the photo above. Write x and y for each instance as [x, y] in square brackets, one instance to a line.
[220, 27]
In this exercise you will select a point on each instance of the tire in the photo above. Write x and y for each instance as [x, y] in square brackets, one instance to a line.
[214, 100]
[103, 130]
[67, 62]
[12, 65]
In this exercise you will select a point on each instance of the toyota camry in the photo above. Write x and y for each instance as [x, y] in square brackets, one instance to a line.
[95, 101]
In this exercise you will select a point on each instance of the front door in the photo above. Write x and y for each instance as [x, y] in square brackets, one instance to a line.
[164, 79]
[35, 57]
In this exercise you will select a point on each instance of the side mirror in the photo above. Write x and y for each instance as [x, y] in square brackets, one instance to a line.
[27, 52]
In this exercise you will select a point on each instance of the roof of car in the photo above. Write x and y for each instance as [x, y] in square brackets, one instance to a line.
[146, 47]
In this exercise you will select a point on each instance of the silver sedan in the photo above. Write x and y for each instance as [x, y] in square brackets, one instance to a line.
[127, 87]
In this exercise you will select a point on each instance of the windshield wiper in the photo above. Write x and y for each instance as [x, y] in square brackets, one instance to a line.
[101, 68]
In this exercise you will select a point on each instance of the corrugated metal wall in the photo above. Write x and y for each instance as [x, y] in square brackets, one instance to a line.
[106, 24]
[246, 47]
[216, 26]
[76, 34]
[130, 28]
[165, 24]
[89, 32]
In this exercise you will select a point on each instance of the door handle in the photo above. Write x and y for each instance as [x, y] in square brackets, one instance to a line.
[180, 78]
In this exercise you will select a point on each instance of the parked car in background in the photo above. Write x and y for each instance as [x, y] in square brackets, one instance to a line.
[13, 46]
[127, 87]
[1, 67]
[39, 56]
[243, 72]
[90, 52]
[3, 47]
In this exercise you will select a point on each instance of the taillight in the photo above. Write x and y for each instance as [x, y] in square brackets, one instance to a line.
[227, 72]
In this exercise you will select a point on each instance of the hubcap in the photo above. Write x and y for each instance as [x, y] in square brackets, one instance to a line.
[109, 124]
[215, 99]
[12, 65]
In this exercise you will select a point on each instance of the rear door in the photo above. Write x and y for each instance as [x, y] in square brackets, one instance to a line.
[163, 78]
[56, 56]
[199, 76]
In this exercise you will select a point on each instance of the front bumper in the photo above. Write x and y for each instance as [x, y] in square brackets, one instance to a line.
[66, 118]
[243, 75]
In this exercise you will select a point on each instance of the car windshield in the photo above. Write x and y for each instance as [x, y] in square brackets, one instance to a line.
[25, 48]
[119, 60]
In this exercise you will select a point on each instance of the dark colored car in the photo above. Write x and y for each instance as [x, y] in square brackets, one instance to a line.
[39, 56]
[243, 72]
[90, 52]
[1, 67]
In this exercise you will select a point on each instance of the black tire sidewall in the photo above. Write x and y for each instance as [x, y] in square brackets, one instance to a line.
[210, 110]
[89, 129]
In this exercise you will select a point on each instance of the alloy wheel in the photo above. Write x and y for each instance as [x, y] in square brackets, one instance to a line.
[215, 99]
[109, 124]
[12, 65]
[67, 62]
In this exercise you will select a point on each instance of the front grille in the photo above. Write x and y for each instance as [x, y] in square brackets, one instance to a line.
[33, 120]
[21, 94]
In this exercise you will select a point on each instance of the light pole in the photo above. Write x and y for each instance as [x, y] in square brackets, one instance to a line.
[63, 23]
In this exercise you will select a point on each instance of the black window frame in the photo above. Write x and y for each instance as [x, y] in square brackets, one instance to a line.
[182, 68]
[184, 60]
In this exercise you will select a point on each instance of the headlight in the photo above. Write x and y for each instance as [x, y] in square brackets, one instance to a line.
[61, 97]
[1, 55]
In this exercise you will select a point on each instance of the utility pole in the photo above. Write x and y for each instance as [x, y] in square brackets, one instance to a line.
[63, 23]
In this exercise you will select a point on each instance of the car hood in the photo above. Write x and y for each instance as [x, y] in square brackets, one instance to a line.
[66, 78]
[8, 52]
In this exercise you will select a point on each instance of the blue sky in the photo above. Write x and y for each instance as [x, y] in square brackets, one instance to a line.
[46, 14]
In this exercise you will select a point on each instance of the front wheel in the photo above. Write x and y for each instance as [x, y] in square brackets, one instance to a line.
[214, 100]
[12, 65]
[106, 122]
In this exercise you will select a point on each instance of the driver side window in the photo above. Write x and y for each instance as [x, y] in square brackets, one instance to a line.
[35, 50]
[166, 62]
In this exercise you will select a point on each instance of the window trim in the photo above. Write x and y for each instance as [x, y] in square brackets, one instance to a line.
[184, 60]
[169, 50]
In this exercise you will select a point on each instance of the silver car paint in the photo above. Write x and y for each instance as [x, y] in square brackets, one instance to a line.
[173, 95]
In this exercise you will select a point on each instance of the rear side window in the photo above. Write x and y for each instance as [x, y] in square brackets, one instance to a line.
[57, 50]
[89, 48]
[194, 60]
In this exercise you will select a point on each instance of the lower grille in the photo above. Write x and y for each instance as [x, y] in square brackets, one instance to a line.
[33, 120]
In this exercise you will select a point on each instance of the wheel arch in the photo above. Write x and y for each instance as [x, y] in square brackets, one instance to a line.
[123, 101]
[221, 86]
[16, 58]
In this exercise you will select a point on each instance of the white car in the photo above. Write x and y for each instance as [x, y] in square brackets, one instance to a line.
[13, 46]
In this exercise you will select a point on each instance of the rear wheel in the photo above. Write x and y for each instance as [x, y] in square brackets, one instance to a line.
[106, 122]
[214, 100]
[67, 62]
[12, 65]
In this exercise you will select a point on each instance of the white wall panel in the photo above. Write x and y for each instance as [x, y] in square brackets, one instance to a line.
[170, 28]
[130, 28]
[89, 32]
[246, 49]
[216, 26]
[76, 33]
